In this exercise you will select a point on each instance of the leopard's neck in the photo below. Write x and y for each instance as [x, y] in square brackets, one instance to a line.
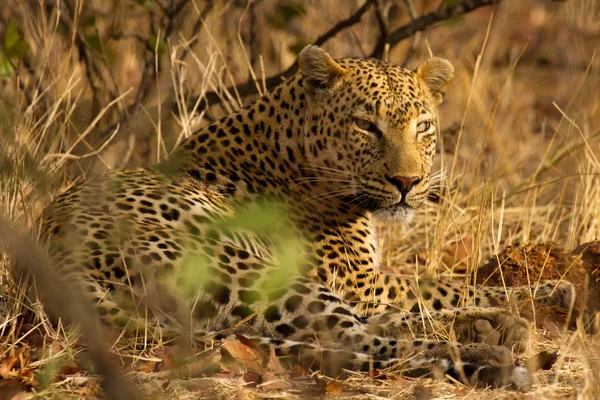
[257, 148]
[258, 152]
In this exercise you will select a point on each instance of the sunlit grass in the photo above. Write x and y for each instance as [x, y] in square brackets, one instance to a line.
[525, 167]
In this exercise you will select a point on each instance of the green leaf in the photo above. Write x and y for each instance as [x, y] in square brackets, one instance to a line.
[297, 47]
[14, 46]
[94, 42]
[285, 13]
[12, 34]
[450, 3]
[6, 69]
[88, 21]
[18, 50]
[161, 45]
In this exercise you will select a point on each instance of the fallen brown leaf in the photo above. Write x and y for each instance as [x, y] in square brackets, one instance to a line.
[271, 381]
[274, 365]
[223, 375]
[251, 378]
[297, 371]
[250, 358]
[6, 366]
[334, 387]
[247, 342]
[146, 367]
[167, 356]
[11, 390]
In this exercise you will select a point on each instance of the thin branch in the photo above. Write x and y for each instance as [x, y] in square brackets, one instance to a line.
[197, 27]
[415, 39]
[395, 37]
[249, 87]
[383, 28]
[427, 20]
[134, 108]
[337, 28]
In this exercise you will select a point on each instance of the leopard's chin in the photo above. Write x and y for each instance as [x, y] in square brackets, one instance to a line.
[400, 212]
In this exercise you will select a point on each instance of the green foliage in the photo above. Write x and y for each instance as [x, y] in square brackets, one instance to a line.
[157, 44]
[88, 21]
[94, 42]
[266, 222]
[285, 13]
[13, 48]
[450, 3]
[144, 3]
[297, 47]
[47, 375]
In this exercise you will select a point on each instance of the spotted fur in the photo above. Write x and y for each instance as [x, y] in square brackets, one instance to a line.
[335, 147]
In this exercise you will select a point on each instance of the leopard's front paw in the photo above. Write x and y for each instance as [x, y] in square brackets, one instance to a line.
[559, 294]
[480, 364]
[494, 326]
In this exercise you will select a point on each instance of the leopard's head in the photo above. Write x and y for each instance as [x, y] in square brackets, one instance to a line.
[370, 129]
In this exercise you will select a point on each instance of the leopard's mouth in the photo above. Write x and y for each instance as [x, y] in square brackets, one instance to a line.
[400, 212]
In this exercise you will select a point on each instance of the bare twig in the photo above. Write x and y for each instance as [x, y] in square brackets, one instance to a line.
[384, 30]
[415, 39]
[197, 26]
[134, 109]
[443, 14]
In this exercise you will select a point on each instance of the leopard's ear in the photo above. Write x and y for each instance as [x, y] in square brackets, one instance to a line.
[437, 74]
[320, 73]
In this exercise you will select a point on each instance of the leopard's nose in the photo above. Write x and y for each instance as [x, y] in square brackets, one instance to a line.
[404, 183]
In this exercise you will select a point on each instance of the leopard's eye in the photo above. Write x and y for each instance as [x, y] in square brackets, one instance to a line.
[423, 126]
[367, 126]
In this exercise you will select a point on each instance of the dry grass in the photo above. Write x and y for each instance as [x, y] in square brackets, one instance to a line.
[519, 151]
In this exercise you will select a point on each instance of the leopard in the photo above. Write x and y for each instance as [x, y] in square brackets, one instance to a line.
[329, 152]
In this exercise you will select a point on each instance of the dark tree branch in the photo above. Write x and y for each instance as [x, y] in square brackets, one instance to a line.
[249, 87]
[143, 88]
[415, 39]
[337, 28]
[395, 37]
[253, 40]
[384, 29]
[198, 26]
[427, 20]
[92, 70]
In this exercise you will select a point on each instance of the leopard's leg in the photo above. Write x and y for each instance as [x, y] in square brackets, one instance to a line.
[494, 326]
[475, 364]
[309, 313]
[376, 292]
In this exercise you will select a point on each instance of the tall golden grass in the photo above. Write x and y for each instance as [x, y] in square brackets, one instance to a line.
[519, 151]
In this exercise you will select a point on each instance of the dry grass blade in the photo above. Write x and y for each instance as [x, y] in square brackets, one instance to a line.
[66, 300]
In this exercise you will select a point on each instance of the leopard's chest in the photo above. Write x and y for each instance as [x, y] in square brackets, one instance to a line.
[342, 249]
